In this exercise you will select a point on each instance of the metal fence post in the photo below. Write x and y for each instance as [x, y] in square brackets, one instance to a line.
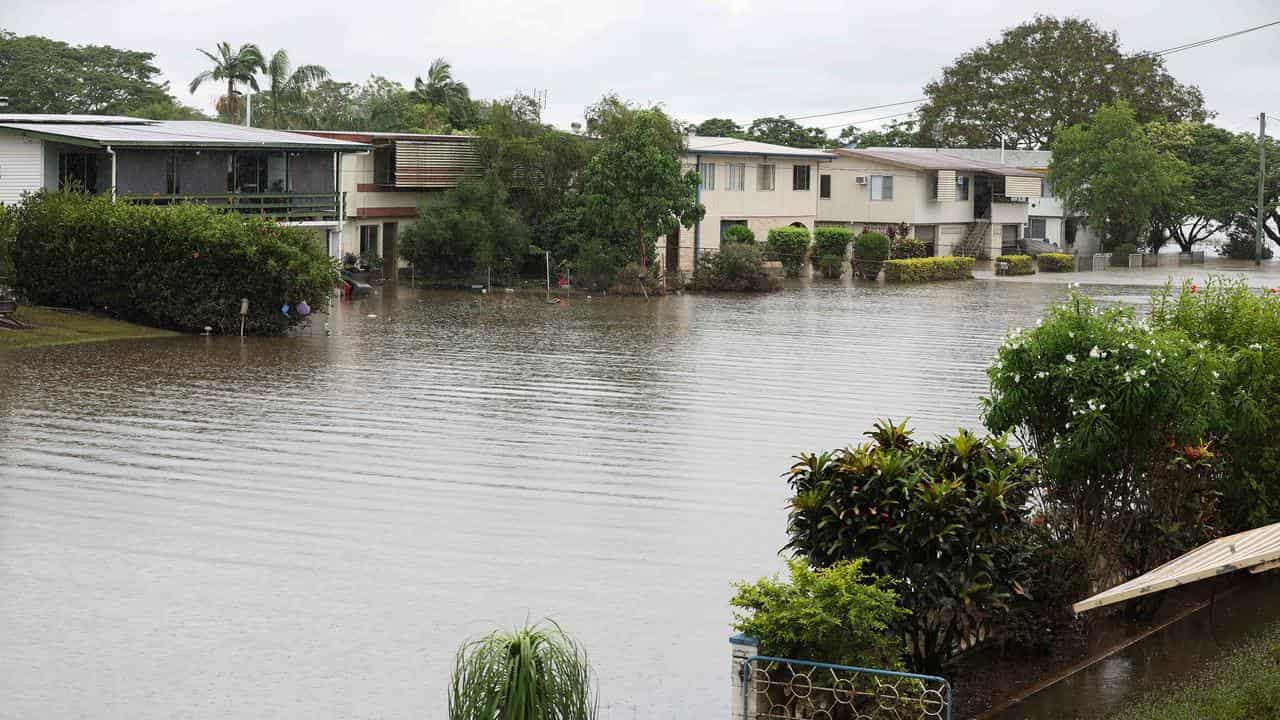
[741, 702]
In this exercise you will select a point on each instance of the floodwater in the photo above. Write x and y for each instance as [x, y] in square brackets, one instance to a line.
[308, 527]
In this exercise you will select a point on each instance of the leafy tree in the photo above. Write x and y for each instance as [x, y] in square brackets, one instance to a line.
[1222, 170]
[718, 127]
[167, 109]
[782, 131]
[1109, 171]
[332, 105]
[1245, 223]
[40, 75]
[899, 133]
[634, 188]
[287, 90]
[441, 90]
[234, 66]
[1044, 75]
[466, 230]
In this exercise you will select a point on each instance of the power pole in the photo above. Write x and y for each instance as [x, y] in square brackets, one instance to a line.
[1262, 180]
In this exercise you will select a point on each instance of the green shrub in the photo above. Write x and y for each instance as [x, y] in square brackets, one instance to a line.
[737, 234]
[908, 248]
[789, 245]
[737, 267]
[467, 230]
[946, 519]
[837, 614]
[929, 269]
[832, 266]
[1243, 246]
[181, 267]
[534, 673]
[1120, 254]
[870, 250]
[1018, 264]
[1056, 262]
[8, 233]
[832, 241]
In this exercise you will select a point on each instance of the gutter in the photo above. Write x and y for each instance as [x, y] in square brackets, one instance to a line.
[697, 227]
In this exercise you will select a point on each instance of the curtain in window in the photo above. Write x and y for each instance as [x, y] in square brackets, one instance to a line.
[881, 187]
[737, 177]
[707, 171]
[765, 179]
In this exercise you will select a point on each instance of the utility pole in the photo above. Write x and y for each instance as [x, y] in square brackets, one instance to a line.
[1262, 184]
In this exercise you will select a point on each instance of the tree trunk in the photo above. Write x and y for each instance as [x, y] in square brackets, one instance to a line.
[232, 111]
[643, 254]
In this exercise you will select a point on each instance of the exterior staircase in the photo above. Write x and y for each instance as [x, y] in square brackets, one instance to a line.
[976, 242]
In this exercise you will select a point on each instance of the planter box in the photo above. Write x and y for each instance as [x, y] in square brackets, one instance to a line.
[1101, 261]
[1135, 261]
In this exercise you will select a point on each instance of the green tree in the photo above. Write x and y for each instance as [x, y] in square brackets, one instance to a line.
[1245, 223]
[441, 90]
[782, 131]
[332, 105]
[1222, 171]
[40, 75]
[1044, 75]
[899, 133]
[1109, 171]
[241, 65]
[634, 188]
[287, 89]
[718, 127]
[465, 230]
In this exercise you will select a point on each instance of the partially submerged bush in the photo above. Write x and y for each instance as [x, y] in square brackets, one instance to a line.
[908, 248]
[1018, 264]
[1120, 254]
[832, 266]
[1056, 262]
[789, 245]
[737, 234]
[929, 269]
[838, 614]
[870, 250]
[634, 280]
[832, 241]
[180, 267]
[533, 673]
[736, 267]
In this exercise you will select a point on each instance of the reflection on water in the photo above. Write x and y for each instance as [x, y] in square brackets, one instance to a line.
[307, 527]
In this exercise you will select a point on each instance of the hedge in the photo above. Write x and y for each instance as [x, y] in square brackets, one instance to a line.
[908, 248]
[870, 250]
[1056, 262]
[180, 267]
[928, 269]
[1018, 264]
[789, 245]
[831, 241]
[738, 234]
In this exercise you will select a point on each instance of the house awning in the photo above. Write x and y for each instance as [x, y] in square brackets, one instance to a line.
[1256, 550]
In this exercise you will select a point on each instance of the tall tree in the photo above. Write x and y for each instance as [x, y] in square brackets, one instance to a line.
[1222, 171]
[233, 66]
[899, 133]
[782, 131]
[442, 90]
[286, 89]
[1044, 75]
[40, 75]
[1109, 171]
[718, 127]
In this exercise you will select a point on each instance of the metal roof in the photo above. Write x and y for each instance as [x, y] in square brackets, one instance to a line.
[1256, 550]
[932, 160]
[177, 133]
[710, 145]
[70, 119]
[1033, 159]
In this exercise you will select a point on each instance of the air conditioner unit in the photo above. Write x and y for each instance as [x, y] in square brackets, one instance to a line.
[860, 179]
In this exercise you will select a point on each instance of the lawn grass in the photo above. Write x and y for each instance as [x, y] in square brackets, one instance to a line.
[55, 327]
[1243, 685]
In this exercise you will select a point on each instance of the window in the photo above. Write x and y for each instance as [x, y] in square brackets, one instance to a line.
[933, 186]
[1035, 228]
[737, 177]
[799, 177]
[79, 170]
[962, 188]
[764, 177]
[257, 171]
[707, 171]
[881, 187]
[1044, 188]
[368, 240]
[824, 186]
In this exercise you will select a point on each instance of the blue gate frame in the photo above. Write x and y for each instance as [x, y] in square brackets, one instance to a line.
[816, 689]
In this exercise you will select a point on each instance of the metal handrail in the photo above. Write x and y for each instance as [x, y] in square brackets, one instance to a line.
[281, 204]
[943, 692]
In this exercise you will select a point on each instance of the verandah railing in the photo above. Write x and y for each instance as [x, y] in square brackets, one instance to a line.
[285, 206]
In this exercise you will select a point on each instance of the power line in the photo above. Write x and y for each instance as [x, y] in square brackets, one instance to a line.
[854, 110]
[1210, 41]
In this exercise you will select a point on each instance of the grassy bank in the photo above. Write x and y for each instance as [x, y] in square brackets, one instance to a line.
[1243, 685]
[54, 327]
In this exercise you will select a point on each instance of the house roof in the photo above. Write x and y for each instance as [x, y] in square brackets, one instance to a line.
[1032, 159]
[711, 145]
[931, 159]
[373, 137]
[1256, 550]
[132, 132]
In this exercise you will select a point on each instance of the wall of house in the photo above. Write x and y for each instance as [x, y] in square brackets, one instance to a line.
[850, 202]
[372, 207]
[21, 168]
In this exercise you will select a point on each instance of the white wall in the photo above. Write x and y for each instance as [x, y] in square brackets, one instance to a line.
[21, 166]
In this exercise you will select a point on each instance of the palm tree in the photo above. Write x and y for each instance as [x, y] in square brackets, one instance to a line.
[534, 673]
[441, 90]
[240, 66]
[288, 85]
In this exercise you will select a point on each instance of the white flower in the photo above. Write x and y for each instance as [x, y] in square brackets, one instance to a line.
[1018, 378]
[1042, 375]
[1095, 353]
[1131, 346]
[1215, 374]
[1128, 377]
[1255, 346]
[1068, 426]
[1071, 358]
[1143, 371]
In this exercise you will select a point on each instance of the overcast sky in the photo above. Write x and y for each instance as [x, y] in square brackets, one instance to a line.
[736, 58]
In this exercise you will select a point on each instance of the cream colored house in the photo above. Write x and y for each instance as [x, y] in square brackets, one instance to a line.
[748, 183]
[383, 186]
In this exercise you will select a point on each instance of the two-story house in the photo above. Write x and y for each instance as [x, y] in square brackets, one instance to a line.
[744, 182]
[286, 176]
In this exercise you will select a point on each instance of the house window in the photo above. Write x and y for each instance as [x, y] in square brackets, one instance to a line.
[799, 177]
[171, 183]
[764, 177]
[824, 186]
[962, 188]
[881, 187]
[78, 170]
[933, 186]
[368, 240]
[737, 177]
[1035, 228]
[707, 171]
[1044, 188]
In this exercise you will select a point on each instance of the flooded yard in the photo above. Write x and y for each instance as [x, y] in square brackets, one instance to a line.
[308, 527]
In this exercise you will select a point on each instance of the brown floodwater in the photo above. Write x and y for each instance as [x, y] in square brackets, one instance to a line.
[309, 526]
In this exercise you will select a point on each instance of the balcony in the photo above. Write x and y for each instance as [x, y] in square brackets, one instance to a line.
[291, 207]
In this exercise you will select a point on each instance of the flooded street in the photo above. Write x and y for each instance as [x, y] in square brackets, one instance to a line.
[308, 527]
